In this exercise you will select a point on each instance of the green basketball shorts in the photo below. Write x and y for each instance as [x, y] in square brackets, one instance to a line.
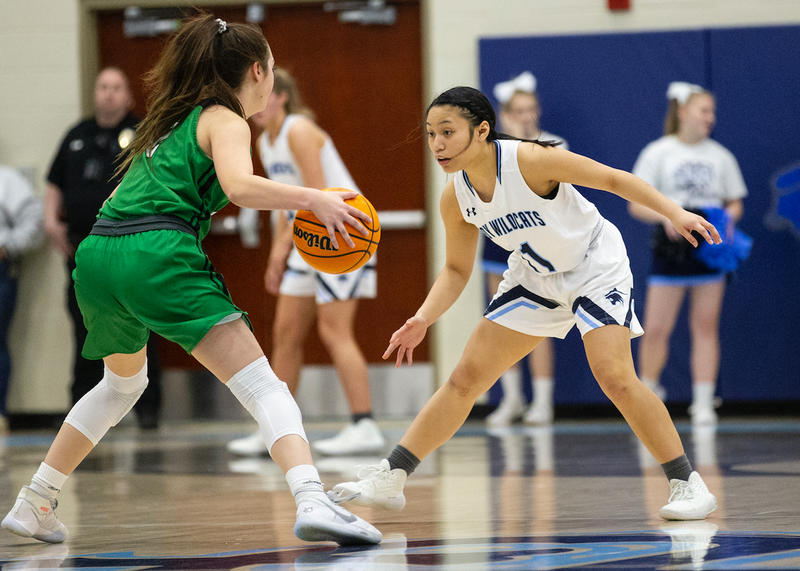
[160, 280]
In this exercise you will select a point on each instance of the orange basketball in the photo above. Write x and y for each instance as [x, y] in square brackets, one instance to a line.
[312, 241]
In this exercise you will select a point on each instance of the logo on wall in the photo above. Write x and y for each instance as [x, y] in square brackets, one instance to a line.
[785, 212]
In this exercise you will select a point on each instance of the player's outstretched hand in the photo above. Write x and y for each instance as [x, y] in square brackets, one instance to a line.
[687, 222]
[405, 339]
[334, 212]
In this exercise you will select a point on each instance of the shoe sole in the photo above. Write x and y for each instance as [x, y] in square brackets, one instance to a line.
[678, 516]
[12, 526]
[309, 530]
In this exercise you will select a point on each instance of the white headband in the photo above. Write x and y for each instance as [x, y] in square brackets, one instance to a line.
[681, 91]
[223, 25]
[523, 82]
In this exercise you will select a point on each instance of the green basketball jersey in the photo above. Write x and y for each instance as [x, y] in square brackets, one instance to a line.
[174, 177]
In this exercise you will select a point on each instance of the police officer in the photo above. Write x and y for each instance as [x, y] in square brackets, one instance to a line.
[80, 179]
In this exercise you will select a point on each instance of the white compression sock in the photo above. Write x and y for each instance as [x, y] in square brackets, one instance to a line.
[303, 481]
[105, 405]
[268, 399]
[47, 481]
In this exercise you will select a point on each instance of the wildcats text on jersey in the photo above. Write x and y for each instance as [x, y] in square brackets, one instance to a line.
[512, 221]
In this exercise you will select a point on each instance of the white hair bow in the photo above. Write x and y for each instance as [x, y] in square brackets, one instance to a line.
[681, 91]
[525, 81]
[222, 25]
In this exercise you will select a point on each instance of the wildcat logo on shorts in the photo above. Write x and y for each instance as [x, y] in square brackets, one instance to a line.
[314, 240]
[615, 296]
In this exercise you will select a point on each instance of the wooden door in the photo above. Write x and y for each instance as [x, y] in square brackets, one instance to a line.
[364, 84]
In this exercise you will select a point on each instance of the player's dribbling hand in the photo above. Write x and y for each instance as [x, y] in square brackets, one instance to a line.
[405, 339]
[334, 212]
[686, 223]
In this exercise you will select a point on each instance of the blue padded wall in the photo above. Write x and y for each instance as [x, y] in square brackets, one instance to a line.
[605, 94]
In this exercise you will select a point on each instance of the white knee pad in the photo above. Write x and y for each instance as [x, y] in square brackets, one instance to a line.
[106, 404]
[268, 399]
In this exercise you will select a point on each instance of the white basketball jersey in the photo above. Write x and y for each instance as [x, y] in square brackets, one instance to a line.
[281, 166]
[546, 235]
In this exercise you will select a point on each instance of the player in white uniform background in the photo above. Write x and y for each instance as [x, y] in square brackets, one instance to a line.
[568, 267]
[519, 117]
[294, 150]
[697, 173]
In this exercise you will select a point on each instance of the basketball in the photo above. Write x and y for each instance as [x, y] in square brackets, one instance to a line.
[312, 241]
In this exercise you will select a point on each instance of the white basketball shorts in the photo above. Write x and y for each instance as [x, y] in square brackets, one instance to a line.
[301, 280]
[597, 292]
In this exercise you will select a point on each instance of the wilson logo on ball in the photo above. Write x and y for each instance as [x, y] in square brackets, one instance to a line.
[313, 240]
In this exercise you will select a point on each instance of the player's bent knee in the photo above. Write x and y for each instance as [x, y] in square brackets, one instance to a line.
[466, 382]
[268, 399]
[113, 397]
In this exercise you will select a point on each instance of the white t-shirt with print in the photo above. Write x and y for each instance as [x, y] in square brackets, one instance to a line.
[695, 176]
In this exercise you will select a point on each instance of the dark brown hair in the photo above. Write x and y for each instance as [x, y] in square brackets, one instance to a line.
[204, 60]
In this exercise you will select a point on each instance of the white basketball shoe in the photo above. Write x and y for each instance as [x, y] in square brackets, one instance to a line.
[35, 516]
[252, 445]
[703, 414]
[378, 486]
[506, 413]
[689, 500]
[319, 519]
[539, 413]
[362, 437]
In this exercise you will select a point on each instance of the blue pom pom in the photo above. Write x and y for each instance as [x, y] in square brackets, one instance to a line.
[727, 255]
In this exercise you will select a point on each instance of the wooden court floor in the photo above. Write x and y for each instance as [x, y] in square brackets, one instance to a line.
[580, 495]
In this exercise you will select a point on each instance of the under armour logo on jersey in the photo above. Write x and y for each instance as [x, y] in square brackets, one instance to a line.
[615, 296]
[471, 211]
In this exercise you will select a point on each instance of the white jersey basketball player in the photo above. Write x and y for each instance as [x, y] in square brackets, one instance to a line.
[568, 267]
[300, 278]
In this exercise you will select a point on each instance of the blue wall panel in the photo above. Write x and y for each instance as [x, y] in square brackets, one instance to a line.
[605, 94]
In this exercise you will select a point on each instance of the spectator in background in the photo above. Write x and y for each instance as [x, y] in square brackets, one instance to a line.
[20, 230]
[519, 117]
[698, 173]
[80, 179]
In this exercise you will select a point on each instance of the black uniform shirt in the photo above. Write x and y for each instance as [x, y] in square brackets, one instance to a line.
[84, 171]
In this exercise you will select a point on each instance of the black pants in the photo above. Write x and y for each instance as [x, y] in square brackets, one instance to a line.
[87, 372]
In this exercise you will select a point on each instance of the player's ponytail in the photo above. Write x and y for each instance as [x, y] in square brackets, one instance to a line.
[207, 59]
